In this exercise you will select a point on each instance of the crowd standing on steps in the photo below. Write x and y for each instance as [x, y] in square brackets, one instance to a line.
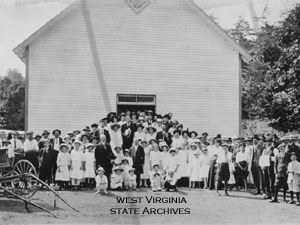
[136, 150]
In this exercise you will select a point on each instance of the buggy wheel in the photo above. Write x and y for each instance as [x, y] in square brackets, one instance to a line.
[26, 186]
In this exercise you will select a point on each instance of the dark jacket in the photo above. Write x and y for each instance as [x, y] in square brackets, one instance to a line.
[106, 133]
[104, 155]
[139, 160]
[127, 141]
[160, 135]
[47, 159]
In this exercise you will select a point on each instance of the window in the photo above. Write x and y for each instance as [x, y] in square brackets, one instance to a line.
[136, 99]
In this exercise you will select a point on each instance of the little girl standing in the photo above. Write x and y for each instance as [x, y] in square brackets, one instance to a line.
[76, 165]
[63, 165]
[89, 165]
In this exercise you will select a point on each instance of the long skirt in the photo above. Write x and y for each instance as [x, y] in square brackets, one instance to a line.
[211, 175]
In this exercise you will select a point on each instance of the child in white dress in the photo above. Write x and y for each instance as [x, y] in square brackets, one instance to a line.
[63, 167]
[153, 180]
[195, 168]
[89, 166]
[205, 161]
[126, 167]
[155, 157]
[76, 165]
[101, 181]
[128, 157]
[157, 182]
[132, 179]
[117, 179]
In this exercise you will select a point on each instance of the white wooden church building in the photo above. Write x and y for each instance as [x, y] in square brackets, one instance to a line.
[99, 56]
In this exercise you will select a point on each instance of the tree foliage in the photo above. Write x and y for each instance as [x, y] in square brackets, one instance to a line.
[271, 82]
[12, 99]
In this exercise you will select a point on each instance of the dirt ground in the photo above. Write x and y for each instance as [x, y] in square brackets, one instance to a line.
[205, 208]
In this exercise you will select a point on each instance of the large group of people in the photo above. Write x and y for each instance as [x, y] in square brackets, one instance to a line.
[143, 149]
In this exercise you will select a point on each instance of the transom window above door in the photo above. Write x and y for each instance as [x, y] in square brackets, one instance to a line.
[133, 99]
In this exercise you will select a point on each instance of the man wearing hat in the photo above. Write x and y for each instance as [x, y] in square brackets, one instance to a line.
[104, 156]
[17, 146]
[292, 147]
[55, 143]
[31, 150]
[266, 170]
[205, 135]
[164, 135]
[102, 130]
[127, 130]
[166, 120]
[281, 163]
[94, 132]
[139, 161]
[255, 168]
[46, 161]
[45, 136]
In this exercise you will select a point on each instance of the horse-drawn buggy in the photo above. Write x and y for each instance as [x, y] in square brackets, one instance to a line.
[21, 181]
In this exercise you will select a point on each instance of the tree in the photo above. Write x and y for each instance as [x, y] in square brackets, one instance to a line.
[12, 99]
[282, 93]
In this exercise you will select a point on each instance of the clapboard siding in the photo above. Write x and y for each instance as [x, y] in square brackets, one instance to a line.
[78, 67]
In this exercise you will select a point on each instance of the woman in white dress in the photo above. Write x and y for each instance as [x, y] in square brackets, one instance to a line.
[155, 156]
[177, 140]
[193, 136]
[139, 134]
[151, 133]
[165, 155]
[183, 167]
[190, 155]
[76, 165]
[116, 139]
[89, 166]
[84, 142]
[63, 164]
[195, 168]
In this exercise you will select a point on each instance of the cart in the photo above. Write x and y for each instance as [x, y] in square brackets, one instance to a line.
[22, 182]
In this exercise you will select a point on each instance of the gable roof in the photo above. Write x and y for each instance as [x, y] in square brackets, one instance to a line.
[20, 50]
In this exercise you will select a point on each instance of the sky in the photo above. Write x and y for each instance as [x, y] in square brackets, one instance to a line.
[21, 18]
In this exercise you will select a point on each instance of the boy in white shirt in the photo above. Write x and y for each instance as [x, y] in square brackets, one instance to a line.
[132, 179]
[101, 181]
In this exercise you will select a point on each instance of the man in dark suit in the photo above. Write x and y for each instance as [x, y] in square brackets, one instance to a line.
[255, 168]
[128, 130]
[292, 147]
[55, 144]
[102, 130]
[164, 135]
[46, 158]
[280, 168]
[139, 161]
[104, 156]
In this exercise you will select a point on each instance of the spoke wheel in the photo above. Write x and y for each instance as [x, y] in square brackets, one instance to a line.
[25, 186]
